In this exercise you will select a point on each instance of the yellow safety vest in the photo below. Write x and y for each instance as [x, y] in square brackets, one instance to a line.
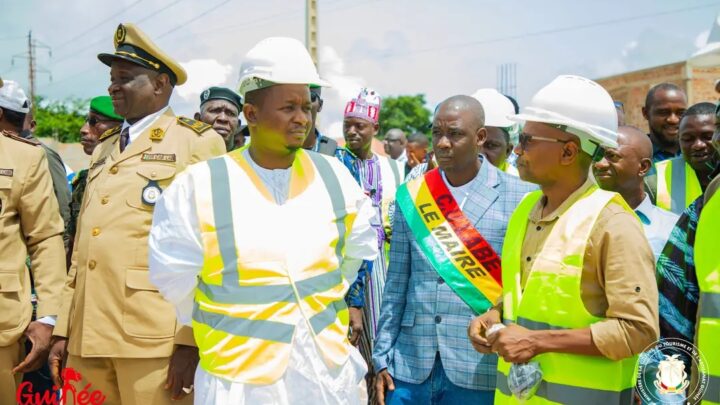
[707, 268]
[552, 300]
[677, 185]
[269, 266]
[509, 169]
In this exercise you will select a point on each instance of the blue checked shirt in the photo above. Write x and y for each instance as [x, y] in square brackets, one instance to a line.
[420, 315]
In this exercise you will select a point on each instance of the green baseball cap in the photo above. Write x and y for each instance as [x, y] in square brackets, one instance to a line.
[103, 106]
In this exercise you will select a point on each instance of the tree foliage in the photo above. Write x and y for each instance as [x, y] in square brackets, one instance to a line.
[405, 112]
[60, 120]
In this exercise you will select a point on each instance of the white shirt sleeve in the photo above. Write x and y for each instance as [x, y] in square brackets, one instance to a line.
[48, 320]
[175, 246]
[362, 242]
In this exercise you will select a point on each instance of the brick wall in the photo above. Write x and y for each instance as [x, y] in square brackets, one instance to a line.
[632, 87]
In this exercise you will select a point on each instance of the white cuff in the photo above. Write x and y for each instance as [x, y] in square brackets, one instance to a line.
[48, 320]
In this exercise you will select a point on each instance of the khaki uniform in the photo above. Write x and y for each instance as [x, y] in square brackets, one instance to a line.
[618, 279]
[30, 224]
[110, 308]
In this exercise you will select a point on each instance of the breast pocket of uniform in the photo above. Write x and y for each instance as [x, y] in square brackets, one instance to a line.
[12, 314]
[152, 180]
[146, 314]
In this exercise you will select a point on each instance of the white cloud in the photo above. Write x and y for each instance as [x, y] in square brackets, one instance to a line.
[344, 87]
[202, 73]
[701, 39]
[629, 47]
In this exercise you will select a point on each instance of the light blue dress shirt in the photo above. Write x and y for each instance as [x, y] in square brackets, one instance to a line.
[657, 224]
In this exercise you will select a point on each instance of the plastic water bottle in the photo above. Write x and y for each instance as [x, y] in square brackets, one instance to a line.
[523, 379]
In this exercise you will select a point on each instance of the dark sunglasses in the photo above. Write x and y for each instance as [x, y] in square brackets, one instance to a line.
[524, 139]
[314, 97]
[94, 121]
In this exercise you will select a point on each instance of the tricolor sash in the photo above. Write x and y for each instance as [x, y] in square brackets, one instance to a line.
[456, 250]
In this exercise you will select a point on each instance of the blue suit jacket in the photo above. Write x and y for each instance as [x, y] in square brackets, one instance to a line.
[420, 314]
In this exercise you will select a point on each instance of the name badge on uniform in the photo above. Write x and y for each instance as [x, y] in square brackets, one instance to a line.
[158, 157]
[7, 172]
[150, 193]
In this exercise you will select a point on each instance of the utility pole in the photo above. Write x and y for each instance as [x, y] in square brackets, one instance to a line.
[507, 79]
[311, 29]
[33, 68]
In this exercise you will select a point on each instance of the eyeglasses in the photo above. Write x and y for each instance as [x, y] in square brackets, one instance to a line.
[94, 121]
[314, 97]
[524, 139]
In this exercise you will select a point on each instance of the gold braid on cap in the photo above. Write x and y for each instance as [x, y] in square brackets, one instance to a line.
[134, 55]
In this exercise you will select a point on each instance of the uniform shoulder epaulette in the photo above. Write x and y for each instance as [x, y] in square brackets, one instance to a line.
[197, 126]
[110, 132]
[33, 142]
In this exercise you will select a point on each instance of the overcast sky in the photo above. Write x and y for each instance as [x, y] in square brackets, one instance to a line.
[439, 48]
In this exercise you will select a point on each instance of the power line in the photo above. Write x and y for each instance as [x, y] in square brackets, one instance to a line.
[103, 39]
[195, 18]
[66, 78]
[111, 17]
[540, 33]
[243, 27]
[235, 28]
[147, 17]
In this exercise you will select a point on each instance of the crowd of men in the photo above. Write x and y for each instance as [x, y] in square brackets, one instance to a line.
[528, 255]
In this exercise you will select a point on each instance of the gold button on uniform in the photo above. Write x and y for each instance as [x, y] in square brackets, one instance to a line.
[153, 174]
[92, 264]
[104, 200]
[96, 231]
[113, 170]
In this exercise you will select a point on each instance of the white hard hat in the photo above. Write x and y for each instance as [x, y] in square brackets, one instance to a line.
[580, 106]
[12, 97]
[497, 109]
[278, 60]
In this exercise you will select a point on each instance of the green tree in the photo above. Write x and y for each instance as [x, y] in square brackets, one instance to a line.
[60, 120]
[405, 112]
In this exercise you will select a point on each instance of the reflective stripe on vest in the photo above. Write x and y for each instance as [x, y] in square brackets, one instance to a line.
[707, 270]
[336, 198]
[677, 185]
[568, 394]
[247, 305]
[552, 300]
[390, 166]
[712, 394]
[710, 305]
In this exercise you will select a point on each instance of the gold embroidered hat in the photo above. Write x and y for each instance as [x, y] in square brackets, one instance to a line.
[132, 45]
